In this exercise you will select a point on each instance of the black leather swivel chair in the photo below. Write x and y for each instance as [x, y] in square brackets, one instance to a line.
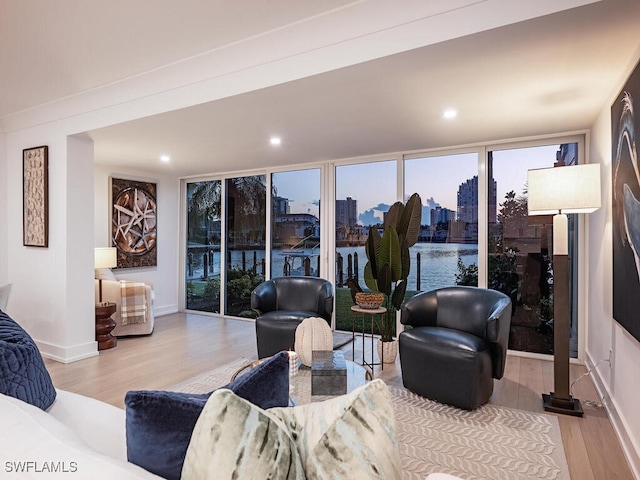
[457, 344]
[282, 303]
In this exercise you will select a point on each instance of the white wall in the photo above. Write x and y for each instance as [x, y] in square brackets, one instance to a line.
[3, 210]
[164, 277]
[50, 297]
[619, 385]
[79, 333]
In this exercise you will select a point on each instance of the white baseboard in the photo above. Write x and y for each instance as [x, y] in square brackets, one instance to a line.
[68, 354]
[164, 310]
[631, 452]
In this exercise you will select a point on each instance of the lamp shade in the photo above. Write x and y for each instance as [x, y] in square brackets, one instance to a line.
[570, 189]
[105, 257]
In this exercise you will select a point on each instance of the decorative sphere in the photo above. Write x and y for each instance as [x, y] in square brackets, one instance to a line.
[314, 333]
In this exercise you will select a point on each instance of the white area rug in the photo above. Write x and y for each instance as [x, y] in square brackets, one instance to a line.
[491, 442]
[211, 380]
[340, 339]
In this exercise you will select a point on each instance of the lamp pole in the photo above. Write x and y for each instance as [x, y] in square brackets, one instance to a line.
[561, 401]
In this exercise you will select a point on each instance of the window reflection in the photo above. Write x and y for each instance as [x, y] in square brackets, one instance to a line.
[245, 217]
[520, 260]
[203, 246]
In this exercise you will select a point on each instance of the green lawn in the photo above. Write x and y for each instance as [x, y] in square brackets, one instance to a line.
[344, 302]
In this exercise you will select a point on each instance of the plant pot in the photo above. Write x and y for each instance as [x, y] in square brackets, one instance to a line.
[390, 350]
[369, 300]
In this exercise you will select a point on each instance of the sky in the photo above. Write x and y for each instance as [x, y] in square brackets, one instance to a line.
[436, 179]
[301, 187]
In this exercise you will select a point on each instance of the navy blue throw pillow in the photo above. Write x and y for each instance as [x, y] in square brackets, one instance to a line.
[22, 371]
[160, 423]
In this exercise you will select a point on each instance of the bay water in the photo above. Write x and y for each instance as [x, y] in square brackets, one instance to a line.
[438, 263]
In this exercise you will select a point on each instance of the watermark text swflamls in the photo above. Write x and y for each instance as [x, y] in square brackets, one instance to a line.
[32, 466]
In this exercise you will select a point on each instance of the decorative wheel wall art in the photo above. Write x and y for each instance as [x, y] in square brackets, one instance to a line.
[134, 222]
[35, 197]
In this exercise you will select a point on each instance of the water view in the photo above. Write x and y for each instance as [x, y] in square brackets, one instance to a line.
[438, 263]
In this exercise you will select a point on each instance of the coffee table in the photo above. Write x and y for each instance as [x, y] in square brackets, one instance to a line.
[300, 381]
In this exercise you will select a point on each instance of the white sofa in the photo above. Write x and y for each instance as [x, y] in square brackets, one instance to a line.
[111, 292]
[76, 434]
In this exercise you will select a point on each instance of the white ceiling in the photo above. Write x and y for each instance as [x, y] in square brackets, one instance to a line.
[542, 76]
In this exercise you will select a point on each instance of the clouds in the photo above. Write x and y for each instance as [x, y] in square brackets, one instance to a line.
[427, 206]
[430, 203]
[369, 218]
[374, 215]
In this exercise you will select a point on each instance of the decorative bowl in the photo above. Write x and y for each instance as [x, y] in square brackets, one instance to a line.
[369, 300]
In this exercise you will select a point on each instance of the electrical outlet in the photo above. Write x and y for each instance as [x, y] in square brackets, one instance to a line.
[610, 358]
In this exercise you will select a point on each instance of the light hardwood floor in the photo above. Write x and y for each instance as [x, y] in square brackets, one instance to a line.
[186, 345]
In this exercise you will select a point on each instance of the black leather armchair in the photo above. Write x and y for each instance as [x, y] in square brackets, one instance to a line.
[282, 303]
[457, 344]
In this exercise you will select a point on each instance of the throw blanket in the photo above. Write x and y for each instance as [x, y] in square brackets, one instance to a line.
[133, 308]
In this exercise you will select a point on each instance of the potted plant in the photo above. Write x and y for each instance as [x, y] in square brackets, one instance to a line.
[388, 264]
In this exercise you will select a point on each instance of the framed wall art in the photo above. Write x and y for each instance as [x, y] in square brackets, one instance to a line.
[134, 222]
[625, 175]
[35, 197]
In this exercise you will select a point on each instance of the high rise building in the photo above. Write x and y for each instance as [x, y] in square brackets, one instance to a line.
[442, 215]
[468, 201]
[280, 206]
[347, 212]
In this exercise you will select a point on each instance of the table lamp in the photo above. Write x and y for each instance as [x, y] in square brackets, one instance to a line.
[558, 191]
[104, 258]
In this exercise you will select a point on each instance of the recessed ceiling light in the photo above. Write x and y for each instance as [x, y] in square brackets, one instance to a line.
[275, 140]
[165, 158]
[450, 114]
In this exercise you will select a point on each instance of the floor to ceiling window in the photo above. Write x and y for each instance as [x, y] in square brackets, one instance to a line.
[447, 250]
[203, 246]
[295, 223]
[226, 251]
[245, 220]
[364, 193]
[519, 253]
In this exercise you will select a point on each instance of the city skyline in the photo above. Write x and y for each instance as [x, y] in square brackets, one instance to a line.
[302, 187]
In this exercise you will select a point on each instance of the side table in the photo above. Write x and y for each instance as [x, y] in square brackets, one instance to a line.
[104, 325]
[372, 312]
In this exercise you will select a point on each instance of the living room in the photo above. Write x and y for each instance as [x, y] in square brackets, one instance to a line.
[53, 288]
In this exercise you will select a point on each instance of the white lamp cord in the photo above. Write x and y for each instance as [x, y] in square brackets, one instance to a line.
[588, 372]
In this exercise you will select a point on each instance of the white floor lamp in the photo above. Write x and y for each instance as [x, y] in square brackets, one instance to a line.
[558, 191]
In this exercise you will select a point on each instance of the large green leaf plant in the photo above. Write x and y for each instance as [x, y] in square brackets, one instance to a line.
[388, 262]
